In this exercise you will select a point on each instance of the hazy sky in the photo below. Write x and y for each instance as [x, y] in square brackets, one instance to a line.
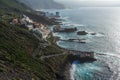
[101, 3]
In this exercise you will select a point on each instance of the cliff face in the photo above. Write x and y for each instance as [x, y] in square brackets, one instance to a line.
[43, 4]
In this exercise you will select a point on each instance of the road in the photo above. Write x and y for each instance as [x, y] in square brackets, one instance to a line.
[54, 55]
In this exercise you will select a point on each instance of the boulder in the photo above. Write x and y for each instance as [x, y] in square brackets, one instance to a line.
[82, 33]
[59, 29]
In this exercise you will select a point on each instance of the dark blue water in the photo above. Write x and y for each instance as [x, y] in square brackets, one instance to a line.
[105, 22]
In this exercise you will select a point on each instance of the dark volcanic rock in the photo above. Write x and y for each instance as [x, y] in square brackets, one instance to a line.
[83, 42]
[69, 29]
[82, 33]
[81, 56]
[64, 29]
[77, 40]
[72, 58]
[93, 33]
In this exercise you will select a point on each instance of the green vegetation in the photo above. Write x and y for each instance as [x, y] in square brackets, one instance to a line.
[16, 48]
[18, 45]
[13, 5]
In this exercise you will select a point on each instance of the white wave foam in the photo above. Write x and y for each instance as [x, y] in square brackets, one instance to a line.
[99, 35]
[96, 34]
[58, 35]
[72, 70]
[110, 54]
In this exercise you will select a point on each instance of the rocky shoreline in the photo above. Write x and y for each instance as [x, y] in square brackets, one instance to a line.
[68, 68]
[69, 61]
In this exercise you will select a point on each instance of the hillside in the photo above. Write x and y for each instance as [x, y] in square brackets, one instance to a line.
[43, 4]
[12, 5]
[18, 47]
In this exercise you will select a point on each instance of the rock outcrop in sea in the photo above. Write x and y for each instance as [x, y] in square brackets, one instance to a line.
[82, 33]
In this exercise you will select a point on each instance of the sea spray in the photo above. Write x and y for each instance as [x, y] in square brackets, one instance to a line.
[72, 70]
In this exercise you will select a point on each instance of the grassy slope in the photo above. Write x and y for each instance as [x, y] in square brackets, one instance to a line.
[17, 46]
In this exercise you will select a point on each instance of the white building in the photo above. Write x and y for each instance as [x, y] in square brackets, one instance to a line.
[28, 20]
[29, 27]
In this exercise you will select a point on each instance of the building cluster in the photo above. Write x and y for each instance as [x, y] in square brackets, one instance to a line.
[52, 15]
[33, 26]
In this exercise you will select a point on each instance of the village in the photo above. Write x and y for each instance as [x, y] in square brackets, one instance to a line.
[35, 27]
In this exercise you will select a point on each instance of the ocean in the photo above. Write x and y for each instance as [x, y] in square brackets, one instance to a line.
[105, 22]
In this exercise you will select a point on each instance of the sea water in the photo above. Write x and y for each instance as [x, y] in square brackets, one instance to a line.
[105, 22]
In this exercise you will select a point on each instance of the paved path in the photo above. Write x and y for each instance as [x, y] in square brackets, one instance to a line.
[81, 54]
[37, 37]
[54, 55]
